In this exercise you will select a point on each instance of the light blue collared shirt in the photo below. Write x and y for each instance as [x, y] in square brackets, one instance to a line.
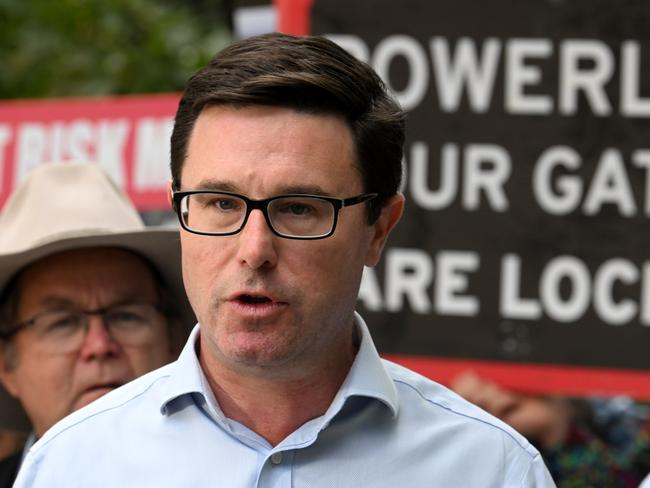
[645, 483]
[386, 427]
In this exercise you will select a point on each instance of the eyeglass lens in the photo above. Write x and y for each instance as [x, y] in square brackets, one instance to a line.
[296, 216]
[64, 331]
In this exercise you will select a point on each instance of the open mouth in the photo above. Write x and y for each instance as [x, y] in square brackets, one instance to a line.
[254, 299]
[257, 305]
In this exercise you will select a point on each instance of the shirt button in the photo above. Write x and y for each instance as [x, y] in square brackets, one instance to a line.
[276, 457]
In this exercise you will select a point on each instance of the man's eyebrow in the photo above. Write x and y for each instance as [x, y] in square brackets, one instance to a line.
[215, 185]
[53, 302]
[303, 190]
[220, 185]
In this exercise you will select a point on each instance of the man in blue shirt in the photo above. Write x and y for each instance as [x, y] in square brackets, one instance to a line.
[286, 164]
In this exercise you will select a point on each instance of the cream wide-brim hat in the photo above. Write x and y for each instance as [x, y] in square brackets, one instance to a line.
[65, 206]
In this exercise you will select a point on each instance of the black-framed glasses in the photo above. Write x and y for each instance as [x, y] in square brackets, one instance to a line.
[62, 331]
[222, 213]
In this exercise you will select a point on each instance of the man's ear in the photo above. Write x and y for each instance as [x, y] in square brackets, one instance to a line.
[390, 215]
[169, 193]
[6, 373]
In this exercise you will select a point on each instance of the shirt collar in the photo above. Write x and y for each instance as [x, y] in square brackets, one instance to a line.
[367, 378]
[186, 377]
[31, 440]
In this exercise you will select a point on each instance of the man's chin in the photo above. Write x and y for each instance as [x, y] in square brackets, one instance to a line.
[266, 361]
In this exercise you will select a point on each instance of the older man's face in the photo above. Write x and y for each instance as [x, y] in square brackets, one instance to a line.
[51, 384]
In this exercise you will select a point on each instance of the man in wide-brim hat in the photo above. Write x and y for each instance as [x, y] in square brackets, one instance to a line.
[90, 298]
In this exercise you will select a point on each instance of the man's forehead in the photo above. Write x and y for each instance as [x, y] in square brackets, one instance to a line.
[88, 257]
[270, 151]
[74, 274]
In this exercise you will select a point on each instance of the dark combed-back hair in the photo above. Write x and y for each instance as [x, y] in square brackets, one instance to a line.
[309, 74]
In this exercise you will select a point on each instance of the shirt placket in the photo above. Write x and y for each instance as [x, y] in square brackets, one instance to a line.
[277, 470]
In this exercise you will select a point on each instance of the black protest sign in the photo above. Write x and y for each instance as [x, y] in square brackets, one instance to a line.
[526, 238]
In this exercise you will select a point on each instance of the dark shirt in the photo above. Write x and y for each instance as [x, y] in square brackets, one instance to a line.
[9, 469]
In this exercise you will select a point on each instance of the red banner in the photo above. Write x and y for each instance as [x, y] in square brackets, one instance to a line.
[128, 136]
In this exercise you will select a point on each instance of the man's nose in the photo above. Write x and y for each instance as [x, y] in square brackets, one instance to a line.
[98, 342]
[257, 242]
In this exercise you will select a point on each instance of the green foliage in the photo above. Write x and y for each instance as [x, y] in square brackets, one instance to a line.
[54, 48]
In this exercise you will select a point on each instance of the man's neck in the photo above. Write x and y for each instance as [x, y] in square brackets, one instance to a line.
[274, 406]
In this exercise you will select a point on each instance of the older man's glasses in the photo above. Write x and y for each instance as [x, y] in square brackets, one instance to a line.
[63, 331]
[290, 216]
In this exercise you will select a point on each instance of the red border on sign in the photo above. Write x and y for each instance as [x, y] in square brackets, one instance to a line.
[535, 378]
[293, 16]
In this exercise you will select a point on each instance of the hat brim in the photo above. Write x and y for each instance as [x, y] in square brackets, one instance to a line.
[160, 245]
